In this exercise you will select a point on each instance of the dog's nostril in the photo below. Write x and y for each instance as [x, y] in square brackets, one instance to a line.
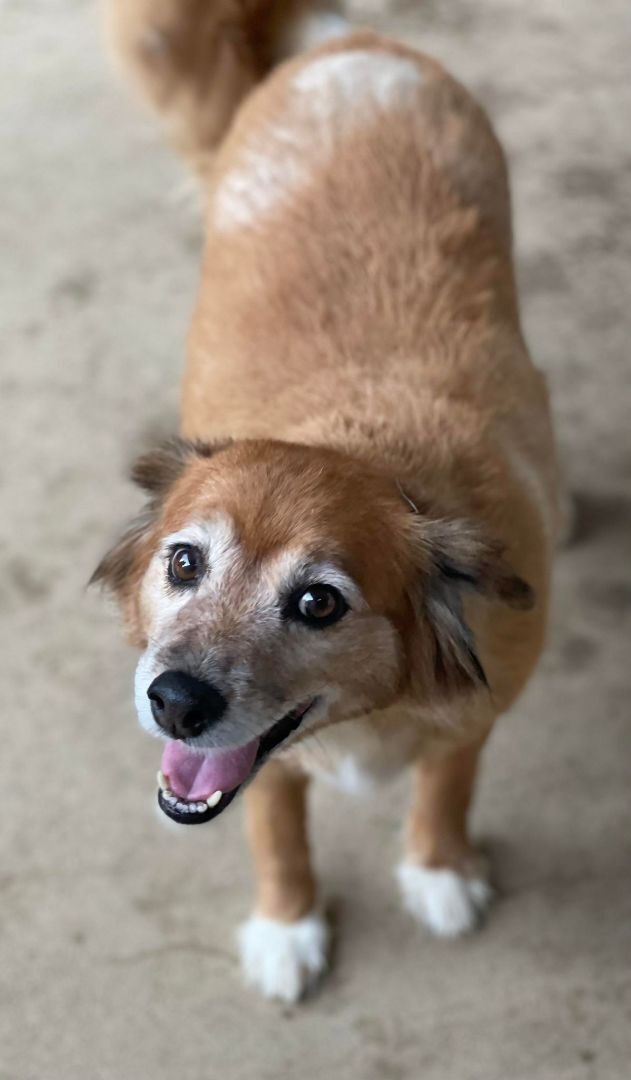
[157, 704]
[194, 721]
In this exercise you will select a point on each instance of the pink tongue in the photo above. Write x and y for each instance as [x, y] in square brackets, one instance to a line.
[198, 776]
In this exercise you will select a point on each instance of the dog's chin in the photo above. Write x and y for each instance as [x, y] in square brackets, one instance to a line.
[191, 781]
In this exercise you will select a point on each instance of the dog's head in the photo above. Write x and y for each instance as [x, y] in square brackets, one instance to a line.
[276, 587]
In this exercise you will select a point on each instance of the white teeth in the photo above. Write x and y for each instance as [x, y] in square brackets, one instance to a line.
[188, 807]
[163, 783]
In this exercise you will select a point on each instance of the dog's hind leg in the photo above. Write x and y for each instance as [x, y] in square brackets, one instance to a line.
[192, 60]
[284, 943]
[442, 879]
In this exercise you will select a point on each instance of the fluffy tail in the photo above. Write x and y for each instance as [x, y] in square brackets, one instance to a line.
[195, 60]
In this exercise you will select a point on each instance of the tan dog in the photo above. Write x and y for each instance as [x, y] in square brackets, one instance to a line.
[353, 540]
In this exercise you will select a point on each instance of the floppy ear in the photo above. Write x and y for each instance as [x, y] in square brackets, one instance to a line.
[120, 565]
[155, 472]
[457, 558]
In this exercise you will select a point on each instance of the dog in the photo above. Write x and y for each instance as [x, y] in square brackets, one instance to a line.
[342, 569]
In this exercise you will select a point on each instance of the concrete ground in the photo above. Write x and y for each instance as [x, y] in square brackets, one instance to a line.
[116, 939]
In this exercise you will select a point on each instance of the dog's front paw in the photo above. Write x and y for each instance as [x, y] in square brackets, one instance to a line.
[446, 902]
[283, 960]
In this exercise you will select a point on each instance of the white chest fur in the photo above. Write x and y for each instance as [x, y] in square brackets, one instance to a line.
[355, 756]
[350, 775]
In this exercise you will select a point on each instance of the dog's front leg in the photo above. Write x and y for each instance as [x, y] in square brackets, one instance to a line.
[443, 880]
[284, 943]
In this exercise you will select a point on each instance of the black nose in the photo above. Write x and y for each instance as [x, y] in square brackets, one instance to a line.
[184, 706]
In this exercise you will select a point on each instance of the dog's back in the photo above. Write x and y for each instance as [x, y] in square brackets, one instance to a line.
[359, 263]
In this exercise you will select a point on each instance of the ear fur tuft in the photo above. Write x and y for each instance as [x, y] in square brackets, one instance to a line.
[155, 472]
[457, 558]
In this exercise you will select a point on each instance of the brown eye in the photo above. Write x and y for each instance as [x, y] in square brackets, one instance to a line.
[185, 565]
[319, 606]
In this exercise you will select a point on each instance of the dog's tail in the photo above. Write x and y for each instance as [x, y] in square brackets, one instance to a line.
[195, 60]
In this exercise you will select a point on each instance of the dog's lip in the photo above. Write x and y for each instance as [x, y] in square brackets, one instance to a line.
[192, 812]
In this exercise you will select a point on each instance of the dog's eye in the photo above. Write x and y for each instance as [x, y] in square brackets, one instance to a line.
[185, 565]
[319, 605]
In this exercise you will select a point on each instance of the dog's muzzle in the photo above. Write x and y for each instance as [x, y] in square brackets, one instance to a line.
[196, 786]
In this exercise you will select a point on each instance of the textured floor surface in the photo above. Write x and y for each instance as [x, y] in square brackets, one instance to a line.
[116, 938]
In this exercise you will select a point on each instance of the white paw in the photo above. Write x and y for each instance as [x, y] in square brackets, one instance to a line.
[283, 960]
[447, 903]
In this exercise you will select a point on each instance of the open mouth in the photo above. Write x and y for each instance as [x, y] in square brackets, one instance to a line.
[196, 787]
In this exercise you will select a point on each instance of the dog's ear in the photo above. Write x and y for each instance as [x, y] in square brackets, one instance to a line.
[120, 564]
[455, 558]
[155, 472]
